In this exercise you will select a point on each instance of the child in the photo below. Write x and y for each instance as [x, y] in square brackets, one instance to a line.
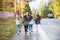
[18, 23]
[31, 25]
[37, 21]
[25, 23]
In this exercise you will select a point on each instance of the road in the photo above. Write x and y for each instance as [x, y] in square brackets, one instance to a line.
[49, 29]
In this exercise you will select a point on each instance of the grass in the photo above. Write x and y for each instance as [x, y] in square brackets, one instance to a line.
[7, 28]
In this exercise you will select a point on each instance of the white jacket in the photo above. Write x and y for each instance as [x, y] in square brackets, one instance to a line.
[17, 22]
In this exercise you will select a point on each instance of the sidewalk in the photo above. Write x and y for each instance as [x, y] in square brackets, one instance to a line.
[47, 30]
[34, 36]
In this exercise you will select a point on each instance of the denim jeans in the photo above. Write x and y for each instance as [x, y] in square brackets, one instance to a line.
[18, 27]
[30, 27]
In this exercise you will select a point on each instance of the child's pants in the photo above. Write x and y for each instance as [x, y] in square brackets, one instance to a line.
[18, 27]
[30, 27]
[25, 27]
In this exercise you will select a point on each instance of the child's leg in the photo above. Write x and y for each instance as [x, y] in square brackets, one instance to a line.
[18, 28]
[30, 27]
[36, 27]
[26, 27]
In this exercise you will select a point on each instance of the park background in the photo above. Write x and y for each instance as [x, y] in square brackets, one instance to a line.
[9, 7]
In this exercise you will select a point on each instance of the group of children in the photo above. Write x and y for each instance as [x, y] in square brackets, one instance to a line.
[28, 22]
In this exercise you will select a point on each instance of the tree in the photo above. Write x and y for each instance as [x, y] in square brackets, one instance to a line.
[27, 9]
[33, 12]
[1, 5]
[7, 5]
[54, 7]
[41, 7]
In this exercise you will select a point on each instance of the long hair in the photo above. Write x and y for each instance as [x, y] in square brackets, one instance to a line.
[25, 17]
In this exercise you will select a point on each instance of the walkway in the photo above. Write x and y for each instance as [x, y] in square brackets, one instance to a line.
[49, 29]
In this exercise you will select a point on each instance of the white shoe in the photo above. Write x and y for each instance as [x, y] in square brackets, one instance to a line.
[18, 32]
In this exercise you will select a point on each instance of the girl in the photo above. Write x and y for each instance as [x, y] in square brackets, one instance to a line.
[18, 24]
[25, 23]
[30, 25]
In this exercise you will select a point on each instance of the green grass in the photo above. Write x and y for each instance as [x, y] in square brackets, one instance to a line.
[7, 28]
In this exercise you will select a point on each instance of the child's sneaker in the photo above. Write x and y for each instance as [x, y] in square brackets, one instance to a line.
[18, 32]
[30, 32]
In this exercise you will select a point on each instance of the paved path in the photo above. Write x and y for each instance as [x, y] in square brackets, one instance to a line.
[49, 29]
